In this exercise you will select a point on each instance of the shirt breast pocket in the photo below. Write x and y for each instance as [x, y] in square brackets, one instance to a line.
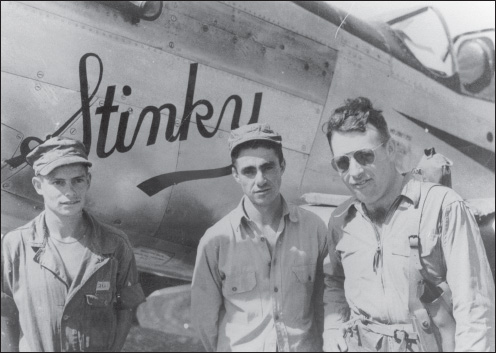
[428, 243]
[304, 274]
[242, 298]
[300, 307]
[430, 252]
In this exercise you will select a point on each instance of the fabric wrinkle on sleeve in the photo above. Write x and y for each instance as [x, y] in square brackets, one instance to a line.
[7, 272]
[318, 298]
[128, 288]
[206, 292]
[335, 304]
[470, 279]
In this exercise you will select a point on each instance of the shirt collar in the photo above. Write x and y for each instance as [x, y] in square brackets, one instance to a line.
[287, 210]
[99, 243]
[410, 189]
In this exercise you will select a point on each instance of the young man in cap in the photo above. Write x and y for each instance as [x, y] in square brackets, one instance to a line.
[393, 246]
[258, 280]
[73, 280]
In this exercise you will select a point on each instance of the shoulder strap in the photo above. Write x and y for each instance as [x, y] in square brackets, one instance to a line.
[419, 315]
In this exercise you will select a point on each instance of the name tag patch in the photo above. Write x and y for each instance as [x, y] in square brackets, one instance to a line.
[103, 286]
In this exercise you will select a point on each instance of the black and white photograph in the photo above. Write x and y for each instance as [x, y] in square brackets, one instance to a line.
[250, 176]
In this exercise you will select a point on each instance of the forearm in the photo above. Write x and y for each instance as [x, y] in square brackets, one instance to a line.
[206, 294]
[336, 307]
[470, 280]
[124, 322]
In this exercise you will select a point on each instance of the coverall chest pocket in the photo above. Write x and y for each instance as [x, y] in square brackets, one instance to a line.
[241, 296]
[99, 315]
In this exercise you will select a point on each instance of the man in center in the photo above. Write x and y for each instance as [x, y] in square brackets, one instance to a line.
[258, 280]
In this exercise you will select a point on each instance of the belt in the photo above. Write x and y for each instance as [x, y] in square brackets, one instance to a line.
[397, 331]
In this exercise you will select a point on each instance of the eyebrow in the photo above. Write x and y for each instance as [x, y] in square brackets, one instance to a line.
[249, 168]
[265, 165]
[54, 178]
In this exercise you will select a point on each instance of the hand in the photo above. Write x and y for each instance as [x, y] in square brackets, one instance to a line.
[334, 341]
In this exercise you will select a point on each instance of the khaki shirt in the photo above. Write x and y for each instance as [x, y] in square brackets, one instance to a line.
[245, 300]
[452, 251]
[54, 316]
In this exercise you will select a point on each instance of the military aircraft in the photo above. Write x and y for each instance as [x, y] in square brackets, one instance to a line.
[153, 89]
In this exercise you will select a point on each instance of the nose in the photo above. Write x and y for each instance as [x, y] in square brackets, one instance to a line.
[70, 190]
[260, 178]
[356, 169]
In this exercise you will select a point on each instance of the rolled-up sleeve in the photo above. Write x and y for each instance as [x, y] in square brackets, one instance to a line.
[336, 308]
[129, 289]
[206, 293]
[469, 277]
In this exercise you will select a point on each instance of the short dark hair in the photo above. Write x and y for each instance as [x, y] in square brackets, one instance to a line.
[354, 115]
[254, 144]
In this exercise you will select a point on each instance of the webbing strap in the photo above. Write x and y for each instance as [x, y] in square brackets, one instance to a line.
[396, 331]
[418, 314]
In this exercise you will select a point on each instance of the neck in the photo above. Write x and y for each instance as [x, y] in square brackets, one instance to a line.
[383, 204]
[64, 227]
[264, 215]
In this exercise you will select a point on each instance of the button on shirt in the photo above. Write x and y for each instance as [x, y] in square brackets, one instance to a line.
[245, 299]
[55, 315]
[452, 251]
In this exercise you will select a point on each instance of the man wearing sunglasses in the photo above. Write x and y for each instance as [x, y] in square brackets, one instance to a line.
[371, 305]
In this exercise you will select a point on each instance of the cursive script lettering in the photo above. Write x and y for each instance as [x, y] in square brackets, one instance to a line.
[108, 108]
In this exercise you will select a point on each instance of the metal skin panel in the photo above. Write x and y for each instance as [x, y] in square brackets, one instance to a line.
[214, 34]
[440, 106]
[148, 71]
[296, 119]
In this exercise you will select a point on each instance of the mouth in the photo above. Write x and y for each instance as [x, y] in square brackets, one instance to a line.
[264, 191]
[70, 203]
[360, 184]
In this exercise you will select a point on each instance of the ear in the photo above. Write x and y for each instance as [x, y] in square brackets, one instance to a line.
[391, 149]
[235, 174]
[89, 179]
[37, 184]
[283, 166]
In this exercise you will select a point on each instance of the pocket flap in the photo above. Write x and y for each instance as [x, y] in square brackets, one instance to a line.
[305, 273]
[240, 283]
[99, 300]
[401, 245]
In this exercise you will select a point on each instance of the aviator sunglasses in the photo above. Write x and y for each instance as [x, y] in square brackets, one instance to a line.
[364, 157]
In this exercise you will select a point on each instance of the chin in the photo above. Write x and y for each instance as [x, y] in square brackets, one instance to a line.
[69, 213]
[366, 199]
[266, 201]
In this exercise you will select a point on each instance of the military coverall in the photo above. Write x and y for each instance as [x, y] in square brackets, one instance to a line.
[369, 269]
[54, 316]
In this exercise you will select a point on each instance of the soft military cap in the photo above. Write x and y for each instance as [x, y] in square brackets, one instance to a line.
[56, 152]
[252, 132]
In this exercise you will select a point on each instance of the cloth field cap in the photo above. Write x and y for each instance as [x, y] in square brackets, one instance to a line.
[253, 132]
[56, 152]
